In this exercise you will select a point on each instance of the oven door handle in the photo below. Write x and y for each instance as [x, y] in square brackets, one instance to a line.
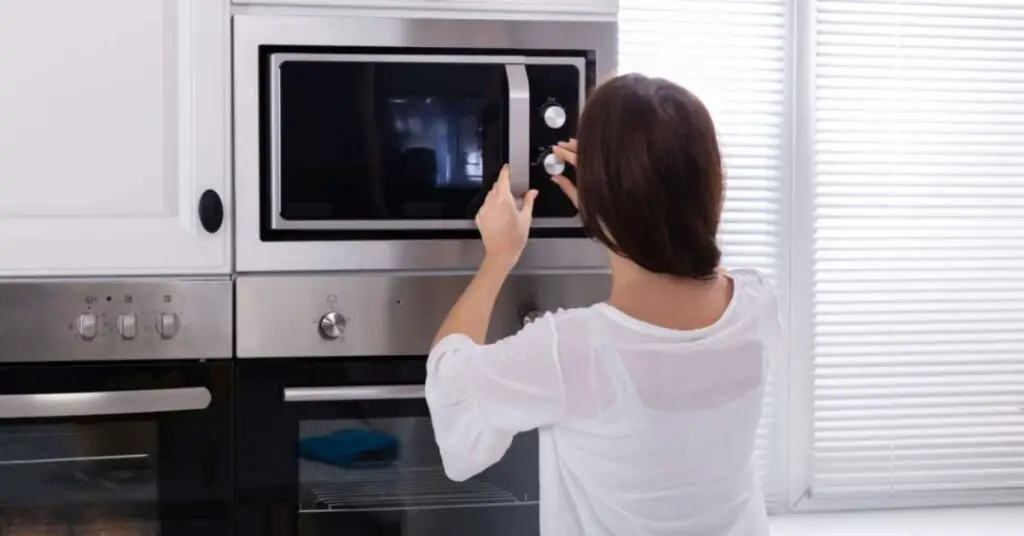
[355, 392]
[84, 404]
[519, 116]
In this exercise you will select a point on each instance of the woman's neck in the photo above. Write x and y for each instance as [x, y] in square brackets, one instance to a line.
[673, 302]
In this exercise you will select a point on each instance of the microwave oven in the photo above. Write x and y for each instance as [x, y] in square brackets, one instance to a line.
[370, 143]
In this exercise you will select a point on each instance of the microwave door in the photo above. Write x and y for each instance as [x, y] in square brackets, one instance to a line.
[364, 142]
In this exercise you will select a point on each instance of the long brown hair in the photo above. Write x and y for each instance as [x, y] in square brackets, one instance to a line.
[650, 175]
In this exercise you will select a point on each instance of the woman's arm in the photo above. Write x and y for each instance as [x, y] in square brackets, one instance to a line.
[471, 314]
[504, 229]
[481, 395]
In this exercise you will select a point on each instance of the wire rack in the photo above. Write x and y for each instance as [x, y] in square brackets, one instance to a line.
[402, 489]
[46, 469]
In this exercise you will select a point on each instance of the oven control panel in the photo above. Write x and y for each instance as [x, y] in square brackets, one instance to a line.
[84, 320]
[384, 314]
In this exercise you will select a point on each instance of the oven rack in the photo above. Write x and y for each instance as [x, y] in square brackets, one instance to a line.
[362, 490]
[44, 469]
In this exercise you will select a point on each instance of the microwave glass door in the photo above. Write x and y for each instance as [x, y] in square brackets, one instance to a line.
[104, 450]
[318, 457]
[362, 140]
[381, 145]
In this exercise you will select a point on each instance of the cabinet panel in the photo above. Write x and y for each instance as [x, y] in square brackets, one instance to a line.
[539, 6]
[114, 122]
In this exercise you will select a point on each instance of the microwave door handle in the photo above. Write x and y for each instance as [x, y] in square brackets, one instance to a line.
[355, 392]
[84, 404]
[518, 129]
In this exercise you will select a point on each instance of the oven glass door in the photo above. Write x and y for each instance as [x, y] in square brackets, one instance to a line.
[115, 450]
[347, 447]
[361, 140]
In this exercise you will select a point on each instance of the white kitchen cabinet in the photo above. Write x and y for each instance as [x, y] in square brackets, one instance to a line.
[604, 7]
[113, 123]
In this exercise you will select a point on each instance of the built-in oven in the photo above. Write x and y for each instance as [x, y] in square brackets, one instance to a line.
[333, 433]
[115, 408]
[370, 143]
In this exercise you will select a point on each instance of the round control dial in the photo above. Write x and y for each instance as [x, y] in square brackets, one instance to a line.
[332, 325]
[554, 116]
[553, 164]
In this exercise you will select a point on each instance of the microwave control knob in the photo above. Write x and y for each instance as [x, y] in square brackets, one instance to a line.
[332, 325]
[553, 165]
[554, 116]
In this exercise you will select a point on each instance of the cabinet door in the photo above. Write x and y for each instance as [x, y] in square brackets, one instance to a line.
[113, 124]
[538, 6]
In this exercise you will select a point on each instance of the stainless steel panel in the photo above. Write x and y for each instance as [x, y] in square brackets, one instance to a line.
[52, 405]
[385, 314]
[251, 31]
[78, 320]
[359, 392]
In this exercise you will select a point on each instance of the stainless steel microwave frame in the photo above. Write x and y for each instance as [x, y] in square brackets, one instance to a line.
[255, 254]
[518, 132]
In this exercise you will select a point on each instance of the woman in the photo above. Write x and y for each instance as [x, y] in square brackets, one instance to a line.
[647, 404]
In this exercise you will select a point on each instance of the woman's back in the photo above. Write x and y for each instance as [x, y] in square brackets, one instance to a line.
[644, 430]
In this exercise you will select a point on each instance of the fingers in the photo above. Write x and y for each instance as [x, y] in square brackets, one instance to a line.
[528, 200]
[569, 145]
[565, 154]
[503, 181]
[568, 188]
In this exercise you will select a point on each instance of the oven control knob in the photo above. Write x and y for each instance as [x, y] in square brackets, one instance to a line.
[87, 326]
[332, 325]
[553, 165]
[126, 326]
[554, 116]
[167, 325]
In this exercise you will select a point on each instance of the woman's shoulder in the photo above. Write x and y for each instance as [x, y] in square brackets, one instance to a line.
[752, 286]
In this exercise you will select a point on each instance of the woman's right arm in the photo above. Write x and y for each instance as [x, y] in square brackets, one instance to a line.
[481, 395]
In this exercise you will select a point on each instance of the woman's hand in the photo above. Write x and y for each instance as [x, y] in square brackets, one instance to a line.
[566, 150]
[503, 226]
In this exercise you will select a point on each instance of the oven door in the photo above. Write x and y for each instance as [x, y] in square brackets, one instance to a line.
[134, 449]
[369, 143]
[346, 447]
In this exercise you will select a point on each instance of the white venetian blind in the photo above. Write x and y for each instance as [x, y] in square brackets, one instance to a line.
[919, 251]
[731, 54]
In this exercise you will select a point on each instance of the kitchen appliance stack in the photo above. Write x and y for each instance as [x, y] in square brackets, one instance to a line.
[286, 396]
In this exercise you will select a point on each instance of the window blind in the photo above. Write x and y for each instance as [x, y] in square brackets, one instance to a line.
[731, 54]
[919, 251]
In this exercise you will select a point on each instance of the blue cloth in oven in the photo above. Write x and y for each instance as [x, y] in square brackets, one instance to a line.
[351, 448]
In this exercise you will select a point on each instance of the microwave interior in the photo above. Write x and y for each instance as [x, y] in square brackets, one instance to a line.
[395, 143]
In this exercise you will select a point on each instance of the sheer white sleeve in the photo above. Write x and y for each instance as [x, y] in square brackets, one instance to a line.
[481, 396]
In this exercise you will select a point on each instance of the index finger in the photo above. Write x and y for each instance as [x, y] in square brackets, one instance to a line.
[502, 184]
[564, 154]
[568, 145]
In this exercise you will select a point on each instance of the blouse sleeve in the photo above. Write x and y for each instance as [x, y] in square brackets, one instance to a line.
[481, 396]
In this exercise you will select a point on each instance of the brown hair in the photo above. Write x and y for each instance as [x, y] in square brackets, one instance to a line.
[650, 175]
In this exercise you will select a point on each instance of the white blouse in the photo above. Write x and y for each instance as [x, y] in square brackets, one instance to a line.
[643, 430]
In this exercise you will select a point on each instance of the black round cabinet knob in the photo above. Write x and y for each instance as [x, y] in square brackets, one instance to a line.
[211, 211]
